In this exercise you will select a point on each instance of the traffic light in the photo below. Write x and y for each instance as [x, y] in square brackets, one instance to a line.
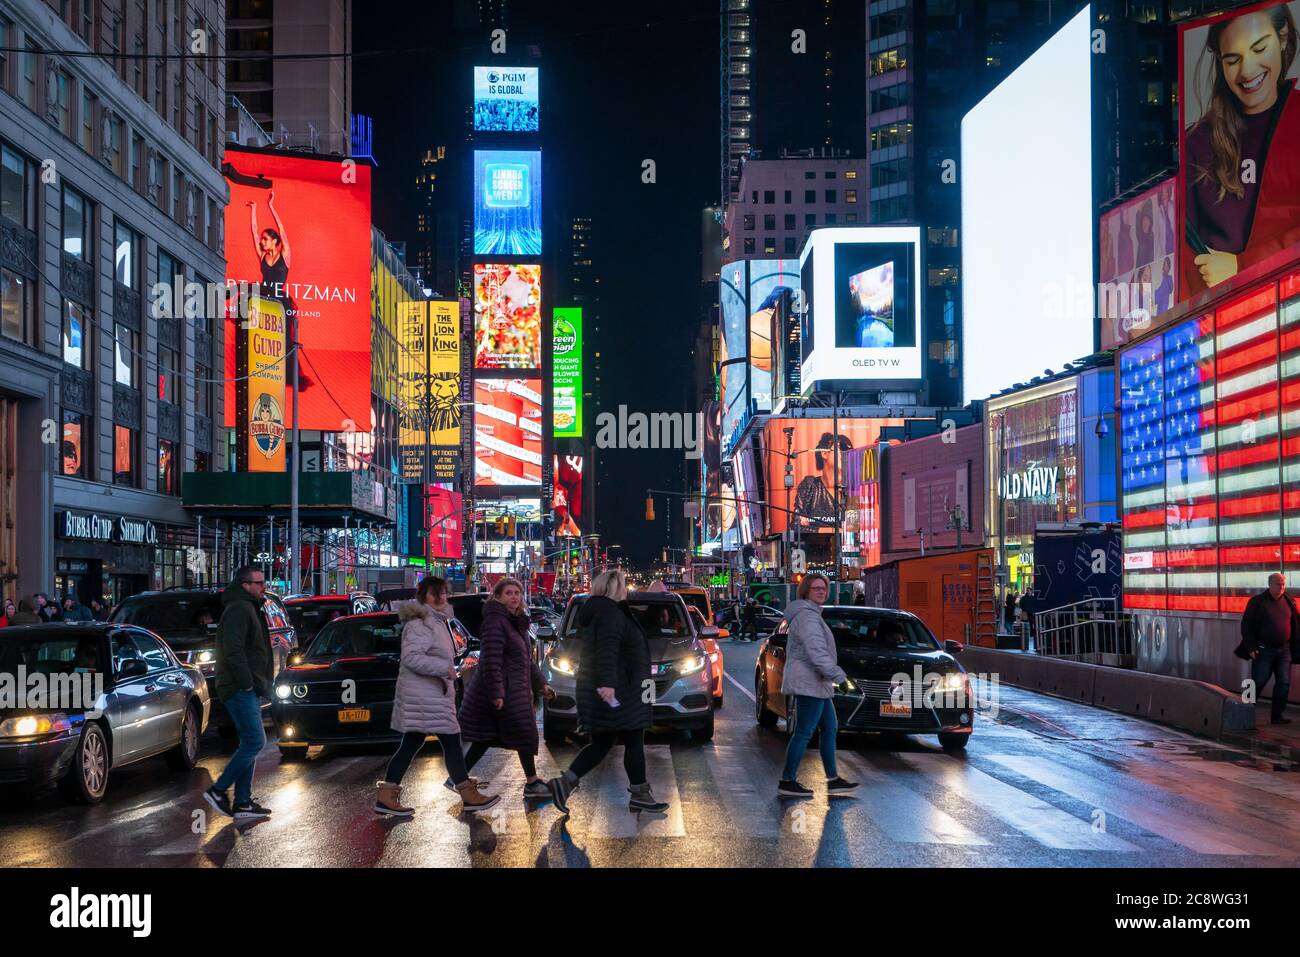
[649, 508]
[665, 555]
[510, 526]
[501, 525]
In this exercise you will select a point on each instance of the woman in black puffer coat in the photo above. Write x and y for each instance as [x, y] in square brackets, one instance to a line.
[498, 709]
[613, 668]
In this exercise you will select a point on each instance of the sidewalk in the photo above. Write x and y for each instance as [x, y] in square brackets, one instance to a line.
[1279, 740]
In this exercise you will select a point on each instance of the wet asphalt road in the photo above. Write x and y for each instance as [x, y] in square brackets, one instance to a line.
[1045, 783]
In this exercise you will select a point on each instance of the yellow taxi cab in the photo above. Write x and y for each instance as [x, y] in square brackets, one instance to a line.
[701, 609]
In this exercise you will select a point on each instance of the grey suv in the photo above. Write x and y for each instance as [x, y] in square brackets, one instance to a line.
[681, 670]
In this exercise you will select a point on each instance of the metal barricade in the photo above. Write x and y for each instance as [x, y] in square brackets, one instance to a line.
[1094, 630]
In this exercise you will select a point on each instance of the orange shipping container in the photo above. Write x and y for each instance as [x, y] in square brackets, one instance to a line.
[951, 592]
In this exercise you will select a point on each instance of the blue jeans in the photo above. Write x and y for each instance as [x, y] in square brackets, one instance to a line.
[809, 715]
[245, 709]
[1273, 663]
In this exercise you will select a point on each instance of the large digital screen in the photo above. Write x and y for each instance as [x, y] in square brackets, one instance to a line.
[301, 228]
[814, 447]
[566, 373]
[506, 99]
[1138, 276]
[429, 411]
[444, 522]
[507, 432]
[261, 386]
[1027, 218]
[771, 281]
[568, 496]
[733, 370]
[507, 316]
[862, 300]
[507, 203]
[1240, 142]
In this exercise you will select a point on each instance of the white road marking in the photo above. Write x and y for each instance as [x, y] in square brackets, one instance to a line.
[897, 810]
[604, 790]
[743, 690]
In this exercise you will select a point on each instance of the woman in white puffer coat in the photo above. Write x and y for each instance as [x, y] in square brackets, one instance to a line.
[425, 702]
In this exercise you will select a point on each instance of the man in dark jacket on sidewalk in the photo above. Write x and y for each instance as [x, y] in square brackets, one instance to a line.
[244, 672]
[1270, 630]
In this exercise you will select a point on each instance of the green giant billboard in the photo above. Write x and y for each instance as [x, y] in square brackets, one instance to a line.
[567, 373]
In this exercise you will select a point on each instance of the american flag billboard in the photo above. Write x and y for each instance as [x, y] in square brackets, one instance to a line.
[1210, 419]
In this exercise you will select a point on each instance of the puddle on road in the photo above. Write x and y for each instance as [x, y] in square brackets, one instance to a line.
[1216, 752]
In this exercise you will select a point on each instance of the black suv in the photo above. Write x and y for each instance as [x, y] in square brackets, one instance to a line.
[186, 618]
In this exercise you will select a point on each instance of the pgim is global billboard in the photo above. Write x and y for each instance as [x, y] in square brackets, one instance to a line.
[300, 228]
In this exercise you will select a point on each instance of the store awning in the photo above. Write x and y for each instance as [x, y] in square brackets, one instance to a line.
[325, 499]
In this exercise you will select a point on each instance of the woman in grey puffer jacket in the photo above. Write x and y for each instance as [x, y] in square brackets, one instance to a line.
[425, 702]
[811, 673]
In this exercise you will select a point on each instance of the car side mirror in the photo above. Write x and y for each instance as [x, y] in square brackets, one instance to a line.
[724, 633]
[545, 633]
[953, 647]
[132, 668]
[711, 632]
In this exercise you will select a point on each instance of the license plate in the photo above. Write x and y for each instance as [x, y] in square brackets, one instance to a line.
[895, 709]
[353, 715]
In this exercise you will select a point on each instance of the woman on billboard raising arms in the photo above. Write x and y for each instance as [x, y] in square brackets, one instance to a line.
[272, 248]
[1252, 114]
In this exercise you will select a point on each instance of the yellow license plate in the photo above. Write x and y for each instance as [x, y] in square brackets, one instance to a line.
[895, 709]
[353, 715]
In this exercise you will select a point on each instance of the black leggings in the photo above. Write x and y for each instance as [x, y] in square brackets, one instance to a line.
[478, 749]
[412, 742]
[602, 741]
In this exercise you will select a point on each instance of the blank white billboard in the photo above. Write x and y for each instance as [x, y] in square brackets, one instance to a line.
[1028, 218]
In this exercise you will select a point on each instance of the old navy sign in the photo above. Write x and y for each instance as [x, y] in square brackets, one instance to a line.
[89, 526]
[1035, 482]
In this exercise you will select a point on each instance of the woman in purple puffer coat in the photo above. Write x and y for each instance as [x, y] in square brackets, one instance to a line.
[498, 710]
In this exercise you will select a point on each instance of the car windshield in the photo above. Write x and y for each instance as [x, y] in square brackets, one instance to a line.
[60, 653]
[344, 637]
[309, 617]
[168, 614]
[696, 600]
[853, 630]
[657, 619]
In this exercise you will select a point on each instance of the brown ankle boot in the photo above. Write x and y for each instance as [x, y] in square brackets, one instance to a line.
[388, 800]
[474, 799]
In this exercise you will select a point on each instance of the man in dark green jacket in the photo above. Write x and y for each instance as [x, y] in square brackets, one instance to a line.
[244, 671]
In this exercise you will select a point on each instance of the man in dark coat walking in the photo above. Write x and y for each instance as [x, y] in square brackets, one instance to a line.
[1270, 633]
[613, 704]
[498, 709]
[245, 668]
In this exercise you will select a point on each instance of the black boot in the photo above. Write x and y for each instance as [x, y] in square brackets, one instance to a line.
[643, 799]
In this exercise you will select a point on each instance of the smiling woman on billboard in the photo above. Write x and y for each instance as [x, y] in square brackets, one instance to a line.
[1242, 155]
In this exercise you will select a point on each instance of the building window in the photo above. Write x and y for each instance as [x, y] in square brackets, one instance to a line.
[76, 225]
[17, 188]
[63, 93]
[135, 174]
[788, 195]
[126, 355]
[830, 196]
[851, 174]
[124, 455]
[809, 174]
[116, 132]
[810, 219]
[850, 196]
[790, 221]
[790, 248]
[76, 335]
[810, 195]
[889, 210]
[749, 221]
[749, 245]
[769, 221]
[851, 218]
[6, 38]
[167, 483]
[17, 306]
[830, 174]
[88, 105]
[169, 370]
[27, 85]
[896, 134]
[75, 449]
[178, 195]
[889, 60]
[769, 245]
[769, 197]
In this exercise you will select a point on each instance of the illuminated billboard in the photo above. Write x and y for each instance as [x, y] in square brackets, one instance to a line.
[429, 393]
[862, 299]
[507, 203]
[771, 281]
[507, 432]
[262, 351]
[301, 228]
[1138, 275]
[506, 99]
[507, 316]
[568, 496]
[733, 369]
[1028, 218]
[813, 446]
[1239, 144]
[444, 523]
[566, 372]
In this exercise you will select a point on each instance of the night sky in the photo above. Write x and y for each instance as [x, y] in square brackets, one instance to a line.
[621, 84]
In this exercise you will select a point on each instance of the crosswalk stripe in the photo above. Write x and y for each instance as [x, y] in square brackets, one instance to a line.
[1034, 817]
[1285, 785]
[606, 789]
[1196, 833]
[747, 803]
[898, 811]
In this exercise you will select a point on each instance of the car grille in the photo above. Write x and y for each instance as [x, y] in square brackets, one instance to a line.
[381, 691]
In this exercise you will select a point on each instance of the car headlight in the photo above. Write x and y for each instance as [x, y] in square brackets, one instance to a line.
[848, 687]
[953, 681]
[283, 691]
[206, 657]
[688, 666]
[29, 725]
[565, 666]
[300, 691]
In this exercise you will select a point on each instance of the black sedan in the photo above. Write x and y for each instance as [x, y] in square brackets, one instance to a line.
[900, 679]
[92, 697]
[341, 690]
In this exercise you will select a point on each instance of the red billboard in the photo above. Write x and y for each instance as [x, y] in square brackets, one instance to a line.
[444, 511]
[300, 227]
[508, 432]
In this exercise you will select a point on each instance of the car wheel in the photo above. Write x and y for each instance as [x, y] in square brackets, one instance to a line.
[289, 753]
[185, 755]
[717, 701]
[87, 779]
[705, 731]
[764, 717]
[953, 742]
